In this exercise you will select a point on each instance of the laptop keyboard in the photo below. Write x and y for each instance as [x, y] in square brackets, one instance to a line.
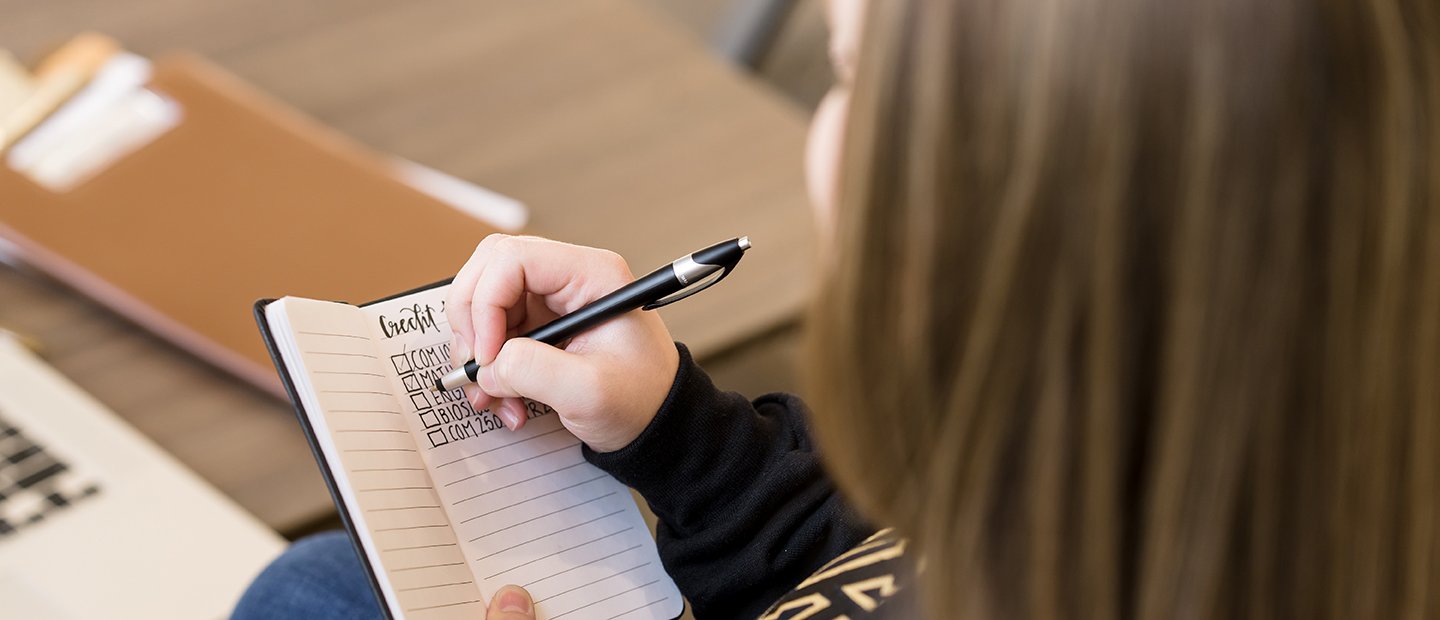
[33, 482]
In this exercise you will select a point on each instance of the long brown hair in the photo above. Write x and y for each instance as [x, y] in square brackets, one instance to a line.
[1135, 305]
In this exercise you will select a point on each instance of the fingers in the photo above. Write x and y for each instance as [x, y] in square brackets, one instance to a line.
[538, 371]
[509, 286]
[512, 412]
[457, 300]
[511, 603]
[533, 314]
[536, 314]
[459, 355]
[565, 276]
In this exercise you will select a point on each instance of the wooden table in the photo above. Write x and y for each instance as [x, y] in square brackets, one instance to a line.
[616, 128]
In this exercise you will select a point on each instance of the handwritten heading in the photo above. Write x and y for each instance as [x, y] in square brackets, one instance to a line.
[415, 319]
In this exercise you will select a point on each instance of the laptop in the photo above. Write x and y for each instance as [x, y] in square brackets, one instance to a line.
[98, 522]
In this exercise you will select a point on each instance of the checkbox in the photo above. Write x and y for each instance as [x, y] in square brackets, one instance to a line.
[437, 438]
[421, 400]
[401, 362]
[412, 382]
[430, 423]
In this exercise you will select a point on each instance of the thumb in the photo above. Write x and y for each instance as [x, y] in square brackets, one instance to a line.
[531, 369]
[511, 603]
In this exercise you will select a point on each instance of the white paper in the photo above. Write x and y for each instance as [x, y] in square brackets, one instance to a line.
[526, 506]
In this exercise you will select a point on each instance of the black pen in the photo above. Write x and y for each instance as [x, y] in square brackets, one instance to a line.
[661, 287]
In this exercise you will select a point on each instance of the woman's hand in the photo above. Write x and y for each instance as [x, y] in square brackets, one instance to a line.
[511, 603]
[607, 383]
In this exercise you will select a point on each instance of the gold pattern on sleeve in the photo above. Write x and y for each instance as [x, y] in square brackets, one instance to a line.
[883, 585]
[800, 608]
[853, 585]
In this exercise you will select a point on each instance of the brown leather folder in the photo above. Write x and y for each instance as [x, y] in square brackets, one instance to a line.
[244, 199]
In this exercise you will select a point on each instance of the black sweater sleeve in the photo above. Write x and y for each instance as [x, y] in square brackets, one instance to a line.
[746, 512]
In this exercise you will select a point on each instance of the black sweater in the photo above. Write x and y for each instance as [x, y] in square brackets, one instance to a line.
[746, 513]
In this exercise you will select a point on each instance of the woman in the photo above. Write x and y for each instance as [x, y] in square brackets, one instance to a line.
[1131, 309]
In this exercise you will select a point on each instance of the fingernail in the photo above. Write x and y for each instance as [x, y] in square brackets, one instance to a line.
[472, 394]
[459, 351]
[486, 379]
[509, 415]
[514, 600]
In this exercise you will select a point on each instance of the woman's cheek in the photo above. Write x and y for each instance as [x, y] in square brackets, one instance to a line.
[822, 159]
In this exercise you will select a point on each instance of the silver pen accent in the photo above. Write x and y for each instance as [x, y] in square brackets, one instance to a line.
[689, 272]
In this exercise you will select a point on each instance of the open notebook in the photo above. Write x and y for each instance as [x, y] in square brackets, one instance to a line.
[446, 505]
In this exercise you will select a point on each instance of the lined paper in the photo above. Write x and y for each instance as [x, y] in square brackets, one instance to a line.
[526, 508]
[381, 475]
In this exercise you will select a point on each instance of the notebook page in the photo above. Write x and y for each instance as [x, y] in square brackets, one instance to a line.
[527, 508]
[381, 478]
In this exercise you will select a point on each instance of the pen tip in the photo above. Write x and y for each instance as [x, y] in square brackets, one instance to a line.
[439, 387]
[744, 243]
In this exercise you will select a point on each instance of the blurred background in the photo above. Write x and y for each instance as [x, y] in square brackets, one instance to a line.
[783, 43]
[615, 122]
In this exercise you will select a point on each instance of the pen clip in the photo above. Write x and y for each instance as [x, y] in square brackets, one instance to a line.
[706, 282]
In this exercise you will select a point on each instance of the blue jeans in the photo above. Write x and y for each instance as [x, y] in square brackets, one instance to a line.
[319, 577]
